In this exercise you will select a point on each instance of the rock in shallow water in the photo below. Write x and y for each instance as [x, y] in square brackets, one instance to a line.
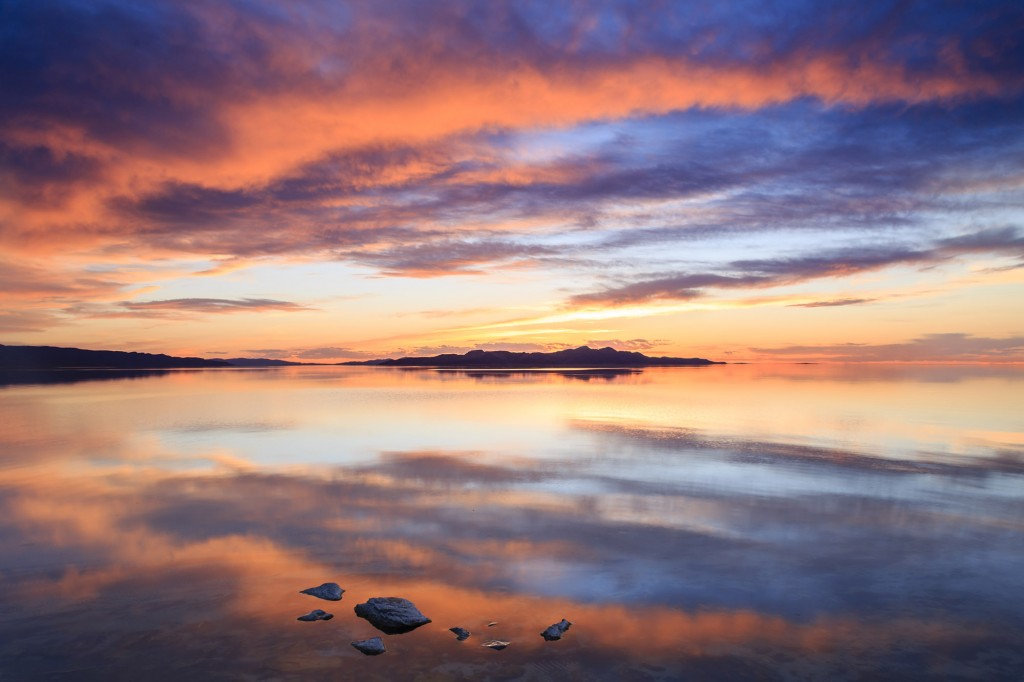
[328, 591]
[371, 647]
[461, 634]
[496, 644]
[391, 615]
[317, 614]
[556, 631]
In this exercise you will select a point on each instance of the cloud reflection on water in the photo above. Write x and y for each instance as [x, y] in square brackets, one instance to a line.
[185, 554]
[675, 553]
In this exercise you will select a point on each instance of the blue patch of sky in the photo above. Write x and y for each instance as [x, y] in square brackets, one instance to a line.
[861, 173]
[289, 282]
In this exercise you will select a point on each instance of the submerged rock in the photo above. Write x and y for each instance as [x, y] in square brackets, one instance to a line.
[391, 615]
[371, 647]
[328, 591]
[316, 614]
[496, 644]
[461, 634]
[556, 631]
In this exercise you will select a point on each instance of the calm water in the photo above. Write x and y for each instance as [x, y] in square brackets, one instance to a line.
[733, 523]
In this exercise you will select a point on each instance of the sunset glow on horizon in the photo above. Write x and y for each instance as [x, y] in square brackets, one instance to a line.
[771, 182]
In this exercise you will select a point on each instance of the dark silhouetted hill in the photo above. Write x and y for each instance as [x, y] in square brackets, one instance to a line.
[50, 357]
[582, 357]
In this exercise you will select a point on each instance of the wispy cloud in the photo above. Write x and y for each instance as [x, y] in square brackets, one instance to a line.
[329, 352]
[631, 344]
[948, 347]
[19, 321]
[180, 307]
[450, 257]
[212, 305]
[19, 280]
[833, 303]
[762, 273]
[312, 354]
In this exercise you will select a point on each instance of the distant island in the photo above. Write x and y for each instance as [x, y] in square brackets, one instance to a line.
[582, 357]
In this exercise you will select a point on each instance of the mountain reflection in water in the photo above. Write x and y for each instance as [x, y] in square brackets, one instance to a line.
[724, 523]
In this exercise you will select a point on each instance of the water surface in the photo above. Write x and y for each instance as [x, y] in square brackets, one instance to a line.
[737, 522]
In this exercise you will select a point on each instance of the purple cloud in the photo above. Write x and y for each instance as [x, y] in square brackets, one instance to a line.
[833, 303]
[760, 273]
[211, 305]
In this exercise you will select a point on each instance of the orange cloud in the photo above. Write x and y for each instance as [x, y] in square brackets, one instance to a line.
[399, 96]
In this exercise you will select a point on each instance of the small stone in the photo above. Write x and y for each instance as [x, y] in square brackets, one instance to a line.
[316, 614]
[496, 644]
[492, 623]
[328, 591]
[461, 634]
[371, 647]
[556, 631]
[391, 615]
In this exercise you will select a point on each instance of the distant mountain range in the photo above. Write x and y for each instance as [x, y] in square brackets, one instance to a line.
[582, 357]
[51, 358]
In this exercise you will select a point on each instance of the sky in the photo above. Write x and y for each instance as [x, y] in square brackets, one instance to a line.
[323, 181]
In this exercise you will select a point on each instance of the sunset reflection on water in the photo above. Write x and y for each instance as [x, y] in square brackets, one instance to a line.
[726, 522]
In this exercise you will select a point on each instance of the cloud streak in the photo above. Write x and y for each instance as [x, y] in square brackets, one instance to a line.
[176, 307]
[449, 257]
[213, 305]
[834, 303]
[764, 273]
[947, 347]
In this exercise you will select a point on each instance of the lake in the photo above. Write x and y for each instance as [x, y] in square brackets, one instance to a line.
[782, 522]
